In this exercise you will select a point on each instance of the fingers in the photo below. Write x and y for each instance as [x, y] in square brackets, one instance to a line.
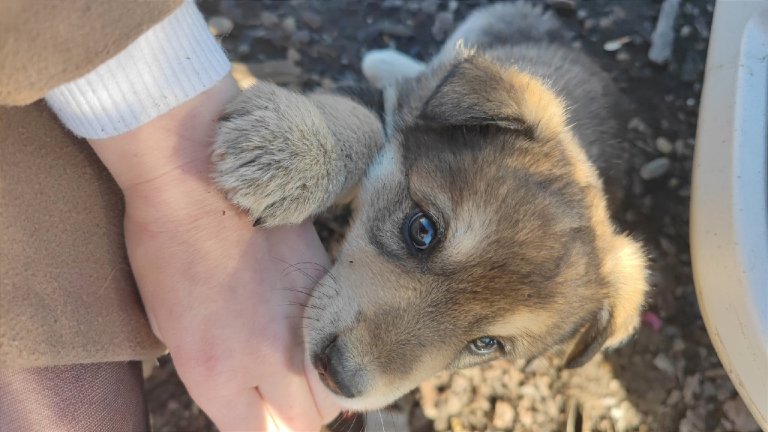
[233, 409]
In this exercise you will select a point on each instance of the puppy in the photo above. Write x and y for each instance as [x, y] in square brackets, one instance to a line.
[483, 227]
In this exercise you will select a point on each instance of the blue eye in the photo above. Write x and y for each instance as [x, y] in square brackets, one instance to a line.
[420, 230]
[484, 345]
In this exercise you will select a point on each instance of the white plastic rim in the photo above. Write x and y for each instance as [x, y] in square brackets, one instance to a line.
[729, 199]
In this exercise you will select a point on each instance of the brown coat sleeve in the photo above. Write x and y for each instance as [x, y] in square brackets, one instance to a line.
[45, 43]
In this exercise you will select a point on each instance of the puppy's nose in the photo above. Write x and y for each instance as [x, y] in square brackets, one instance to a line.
[328, 363]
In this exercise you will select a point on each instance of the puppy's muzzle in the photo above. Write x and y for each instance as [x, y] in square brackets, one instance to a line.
[336, 370]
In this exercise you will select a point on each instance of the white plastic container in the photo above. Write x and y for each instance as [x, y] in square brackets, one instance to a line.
[729, 200]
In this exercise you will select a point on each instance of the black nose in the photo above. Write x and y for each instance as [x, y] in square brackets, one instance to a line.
[328, 363]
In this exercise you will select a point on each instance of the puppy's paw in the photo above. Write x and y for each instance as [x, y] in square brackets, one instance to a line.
[273, 155]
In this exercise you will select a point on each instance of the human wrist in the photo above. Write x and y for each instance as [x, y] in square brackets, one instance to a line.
[173, 146]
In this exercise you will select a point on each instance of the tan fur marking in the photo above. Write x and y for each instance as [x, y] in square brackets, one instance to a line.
[623, 261]
[536, 104]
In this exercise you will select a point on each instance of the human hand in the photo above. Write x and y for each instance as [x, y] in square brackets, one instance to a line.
[220, 294]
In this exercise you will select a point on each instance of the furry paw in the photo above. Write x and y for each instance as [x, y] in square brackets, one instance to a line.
[273, 155]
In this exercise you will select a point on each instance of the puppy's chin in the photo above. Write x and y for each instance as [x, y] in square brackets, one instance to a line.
[371, 401]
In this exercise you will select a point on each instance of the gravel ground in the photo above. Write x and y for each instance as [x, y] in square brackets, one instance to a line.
[669, 377]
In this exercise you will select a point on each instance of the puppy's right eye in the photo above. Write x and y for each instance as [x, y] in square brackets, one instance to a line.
[420, 230]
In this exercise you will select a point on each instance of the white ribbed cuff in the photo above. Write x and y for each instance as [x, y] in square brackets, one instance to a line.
[171, 63]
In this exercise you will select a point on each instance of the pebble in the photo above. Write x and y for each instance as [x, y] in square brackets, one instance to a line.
[655, 168]
[623, 56]
[268, 19]
[637, 124]
[562, 5]
[664, 364]
[692, 422]
[616, 44]
[739, 415]
[220, 25]
[430, 6]
[292, 55]
[663, 37]
[442, 26]
[313, 20]
[674, 397]
[503, 415]
[693, 66]
[691, 388]
[301, 37]
[664, 145]
[289, 25]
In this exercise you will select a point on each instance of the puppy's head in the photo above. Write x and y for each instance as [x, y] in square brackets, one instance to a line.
[482, 233]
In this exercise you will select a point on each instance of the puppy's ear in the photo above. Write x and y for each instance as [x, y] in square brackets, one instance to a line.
[478, 92]
[624, 267]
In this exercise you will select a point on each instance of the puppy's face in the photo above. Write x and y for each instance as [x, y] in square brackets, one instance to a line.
[482, 233]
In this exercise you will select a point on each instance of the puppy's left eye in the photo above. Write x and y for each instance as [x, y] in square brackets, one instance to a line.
[420, 230]
[485, 345]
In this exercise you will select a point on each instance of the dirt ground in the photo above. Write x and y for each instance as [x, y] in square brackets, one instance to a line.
[668, 378]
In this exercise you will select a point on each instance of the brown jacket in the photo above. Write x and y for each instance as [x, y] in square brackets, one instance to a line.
[66, 290]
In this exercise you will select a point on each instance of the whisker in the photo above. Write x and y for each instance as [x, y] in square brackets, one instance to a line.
[327, 270]
[314, 280]
[296, 290]
[352, 423]
[335, 423]
[381, 418]
[303, 305]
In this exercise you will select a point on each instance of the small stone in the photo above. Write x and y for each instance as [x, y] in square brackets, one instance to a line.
[655, 168]
[430, 6]
[663, 37]
[623, 56]
[637, 124]
[311, 19]
[220, 25]
[301, 37]
[678, 345]
[739, 415]
[268, 19]
[674, 397]
[691, 388]
[392, 4]
[664, 364]
[693, 66]
[289, 25]
[606, 22]
[664, 145]
[692, 422]
[293, 56]
[562, 5]
[503, 415]
[442, 26]
[616, 44]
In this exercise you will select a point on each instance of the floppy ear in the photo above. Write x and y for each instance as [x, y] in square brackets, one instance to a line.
[624, 267]
[478, 92]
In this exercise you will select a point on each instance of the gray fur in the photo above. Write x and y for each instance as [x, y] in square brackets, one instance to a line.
[284, 157]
